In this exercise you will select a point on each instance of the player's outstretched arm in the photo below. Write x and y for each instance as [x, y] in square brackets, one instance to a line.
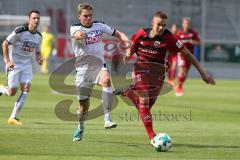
[205, 76]
[122, 37]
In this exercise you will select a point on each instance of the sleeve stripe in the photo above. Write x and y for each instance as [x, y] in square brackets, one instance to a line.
[8, 41]
[114, 32]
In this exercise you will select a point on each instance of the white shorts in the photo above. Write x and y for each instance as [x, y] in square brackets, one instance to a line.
[87, 75]
[19, 75]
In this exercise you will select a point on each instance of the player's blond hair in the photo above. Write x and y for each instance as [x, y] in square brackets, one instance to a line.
[160, 14]
[186, 19]
[82, 6]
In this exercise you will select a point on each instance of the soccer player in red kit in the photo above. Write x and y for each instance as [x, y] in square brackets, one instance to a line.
[172, 60]
[189, 37]
[151, 46]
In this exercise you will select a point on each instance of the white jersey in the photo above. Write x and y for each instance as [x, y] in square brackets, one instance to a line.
[23, 45]
[92, 44]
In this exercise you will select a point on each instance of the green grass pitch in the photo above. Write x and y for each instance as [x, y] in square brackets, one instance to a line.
[204, 124]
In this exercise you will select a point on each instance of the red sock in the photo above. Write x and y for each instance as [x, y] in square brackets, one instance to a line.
[131, 94]
[146, 117]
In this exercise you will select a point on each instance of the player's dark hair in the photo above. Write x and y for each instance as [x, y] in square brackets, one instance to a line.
[83, 6]
[160, 14]
[33, 11]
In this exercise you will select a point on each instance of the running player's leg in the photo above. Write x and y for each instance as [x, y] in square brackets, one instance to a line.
[107, 97]
[13, 81]
[182, 74]
[84, 91]
[25, 79]
[148, 96]
[142, 103]
[146, 116]
[146, 92]
[19, 104]
[11, 89]
[132, 95]
[82, 117]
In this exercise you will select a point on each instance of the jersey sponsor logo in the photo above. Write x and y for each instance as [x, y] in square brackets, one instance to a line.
[92, 40]
[157, 43]
[186, 36]
[93, 37]
[179, 44]
[28, 46]
[94, 33]
[186, 40]
[148, 51]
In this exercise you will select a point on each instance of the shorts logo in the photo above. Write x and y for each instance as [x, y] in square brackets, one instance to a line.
[179, 44]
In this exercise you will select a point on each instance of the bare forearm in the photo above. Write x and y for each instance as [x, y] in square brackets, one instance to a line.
[121, 36]
[127, 44]
[5, 51]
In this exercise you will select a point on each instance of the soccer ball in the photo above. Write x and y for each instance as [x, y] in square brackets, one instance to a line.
[162, 142]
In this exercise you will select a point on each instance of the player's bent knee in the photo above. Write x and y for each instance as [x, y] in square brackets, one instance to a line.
[106, 82]
[26, 90]
[12, 92]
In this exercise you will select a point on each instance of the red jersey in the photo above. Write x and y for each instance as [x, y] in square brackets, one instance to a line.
[186, 37]
[154, 49]
[152, 54]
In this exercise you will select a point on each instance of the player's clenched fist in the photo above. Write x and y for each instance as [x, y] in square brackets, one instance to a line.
[39, 60]
[79, 35]
[10, 65]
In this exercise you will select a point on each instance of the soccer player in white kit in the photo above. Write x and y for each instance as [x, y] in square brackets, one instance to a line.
[18, 50]
[90, 66]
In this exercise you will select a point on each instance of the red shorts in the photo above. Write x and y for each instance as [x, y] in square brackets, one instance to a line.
[148, 79]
